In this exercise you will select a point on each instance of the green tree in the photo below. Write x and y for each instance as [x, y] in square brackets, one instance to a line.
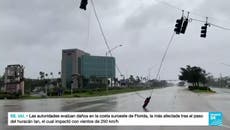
[194, 75]
[51, 74]
[1, 82]
[42, 75]
[137, 80]
[131, 79]
[46, 75]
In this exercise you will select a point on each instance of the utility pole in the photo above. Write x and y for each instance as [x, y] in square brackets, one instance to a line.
[106, 66]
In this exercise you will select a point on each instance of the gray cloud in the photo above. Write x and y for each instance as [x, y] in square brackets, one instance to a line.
[214, 8]
[33, 33]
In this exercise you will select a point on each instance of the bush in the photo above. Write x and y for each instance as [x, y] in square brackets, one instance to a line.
[205, 88]
[4, 95]
[90, 92]
[52, 93]
[75, 95]
[67, 92]
[193, 87]
[199, 88]
[1, 92]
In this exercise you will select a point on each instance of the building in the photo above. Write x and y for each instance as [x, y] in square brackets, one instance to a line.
[80, 69]
[69, 65]
[14, 79]
[98, 66]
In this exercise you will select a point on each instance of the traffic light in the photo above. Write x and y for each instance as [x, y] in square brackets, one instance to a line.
[184, 26]
[204, 30]
[178, 25]
[83, 4]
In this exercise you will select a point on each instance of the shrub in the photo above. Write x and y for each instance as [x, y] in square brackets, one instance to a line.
[75, 95]
[3, 95]
[205, 88]
[90, 92]
[67, 92]
[193, 87]
[199, 88]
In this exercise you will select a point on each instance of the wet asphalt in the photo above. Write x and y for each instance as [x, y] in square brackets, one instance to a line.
[170, 99]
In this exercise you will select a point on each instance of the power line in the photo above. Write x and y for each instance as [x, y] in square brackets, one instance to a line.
[161, 63]
[139, 95]
[103, 34]
[163, 58]
[89, 24]
[193, 13]
[100, 26]
[221, 27]
[168, 4]
[175, 7]
[215, 25]
[193, 19]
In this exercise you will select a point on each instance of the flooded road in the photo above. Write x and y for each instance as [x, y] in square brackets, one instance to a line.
[171, 99]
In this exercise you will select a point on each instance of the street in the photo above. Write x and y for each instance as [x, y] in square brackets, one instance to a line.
[171, 99]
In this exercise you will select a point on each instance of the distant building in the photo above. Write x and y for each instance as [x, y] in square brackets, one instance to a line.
[14, 79]
[99, 66]
[80, 69]
[181, 83]
[69, 65]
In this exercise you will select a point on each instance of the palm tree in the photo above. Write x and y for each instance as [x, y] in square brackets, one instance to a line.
[42, 75]
[46, 75]
[51, 74]
[193, 75]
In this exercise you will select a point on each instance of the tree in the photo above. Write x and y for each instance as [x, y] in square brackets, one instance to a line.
[1, 82]
[137, 80]
[115, 81]
[131, 79]
[46, 75]
[194, 75]
[42, 75]
[51, 74]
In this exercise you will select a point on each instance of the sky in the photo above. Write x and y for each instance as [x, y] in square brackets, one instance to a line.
[34, 32]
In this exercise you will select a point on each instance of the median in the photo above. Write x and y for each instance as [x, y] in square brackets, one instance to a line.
[88, 92]
[110, 91]
[203, 89]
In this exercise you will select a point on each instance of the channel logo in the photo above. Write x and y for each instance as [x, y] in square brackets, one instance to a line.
[215, 118]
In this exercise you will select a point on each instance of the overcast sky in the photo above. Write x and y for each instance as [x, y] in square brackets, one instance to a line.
[34, 32]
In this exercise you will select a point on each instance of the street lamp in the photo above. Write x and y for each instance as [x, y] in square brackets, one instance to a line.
[112, 49]
[106, 54]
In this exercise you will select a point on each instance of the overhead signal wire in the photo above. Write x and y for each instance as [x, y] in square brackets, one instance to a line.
[170, 41]
[194, 14]
[163, 57]
[103, 34]
[215, 25]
